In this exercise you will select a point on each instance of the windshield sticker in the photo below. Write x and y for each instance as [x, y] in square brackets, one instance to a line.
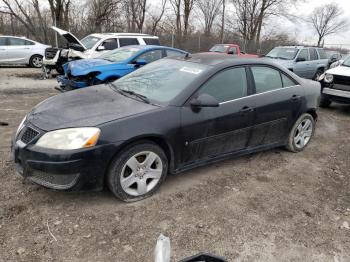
[194, 71]
[290, 51]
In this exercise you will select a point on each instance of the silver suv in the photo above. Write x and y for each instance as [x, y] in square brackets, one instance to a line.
[20, 50]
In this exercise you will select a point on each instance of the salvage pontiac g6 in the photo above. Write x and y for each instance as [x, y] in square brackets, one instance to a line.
[169, 116]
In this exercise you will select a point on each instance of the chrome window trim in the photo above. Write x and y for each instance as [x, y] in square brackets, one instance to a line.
[256, 94]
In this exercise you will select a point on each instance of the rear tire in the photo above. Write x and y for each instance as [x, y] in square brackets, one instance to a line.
[137, 171]
[36, 61]
[301, 133]
[325, 101]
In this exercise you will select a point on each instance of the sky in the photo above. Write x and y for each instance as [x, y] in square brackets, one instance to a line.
[306, 35]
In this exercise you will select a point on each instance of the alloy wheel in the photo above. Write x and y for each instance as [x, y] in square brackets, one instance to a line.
[141, 173]
[37, 61]
[303, 133]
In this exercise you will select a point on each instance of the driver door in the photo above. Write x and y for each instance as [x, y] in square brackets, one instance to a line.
[209, 132]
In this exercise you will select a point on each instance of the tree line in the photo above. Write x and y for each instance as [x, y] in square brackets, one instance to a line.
[243, 21]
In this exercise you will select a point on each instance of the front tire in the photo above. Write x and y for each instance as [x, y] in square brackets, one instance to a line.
[301, 133]
[36, 61]
[137, 172]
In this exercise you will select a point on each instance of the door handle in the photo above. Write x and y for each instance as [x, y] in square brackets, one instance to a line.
[246, 109]
[295, 98]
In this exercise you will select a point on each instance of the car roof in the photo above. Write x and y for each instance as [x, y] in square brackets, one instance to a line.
[102, 35]
[213, 59]
[147, 47]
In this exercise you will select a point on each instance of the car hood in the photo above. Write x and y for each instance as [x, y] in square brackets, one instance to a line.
[72, 39]
[339, 70]
[85, 66]
[87, 107]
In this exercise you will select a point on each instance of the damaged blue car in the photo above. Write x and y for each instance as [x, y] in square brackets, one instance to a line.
[111, 65]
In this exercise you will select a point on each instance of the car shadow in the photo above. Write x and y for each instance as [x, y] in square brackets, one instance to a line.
[343, 109]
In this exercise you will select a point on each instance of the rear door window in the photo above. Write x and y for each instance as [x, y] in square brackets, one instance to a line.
[313, 54]
[287, 81]
[3, 41]
[171, 53]
[266, 79]
[151, 41]
[151, 56]
[226, 85]
[128, 41]
[322, 54]
[16, 41]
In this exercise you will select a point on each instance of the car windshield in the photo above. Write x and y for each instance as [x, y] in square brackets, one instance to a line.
[89, 41]
[219, 48]
[120, 54]
[347, 62]
[283, 53]
[161, 81]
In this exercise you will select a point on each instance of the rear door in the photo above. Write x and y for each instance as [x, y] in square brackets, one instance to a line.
[19, 50]
[278, 101]
[214, 131]
[3, 50]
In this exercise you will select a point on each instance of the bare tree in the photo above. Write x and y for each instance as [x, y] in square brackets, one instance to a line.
[188, 7]
[156, 18]
[137, 10]
[252, 14]
[327, 20]
[222, 29]
[210, 9]
[102, 12]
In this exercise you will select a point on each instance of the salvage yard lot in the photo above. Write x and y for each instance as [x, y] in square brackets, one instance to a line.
[269, 206]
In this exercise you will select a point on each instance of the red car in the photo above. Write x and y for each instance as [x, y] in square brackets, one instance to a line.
[230, 49]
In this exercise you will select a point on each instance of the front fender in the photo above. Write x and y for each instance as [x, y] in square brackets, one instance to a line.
[104, 75]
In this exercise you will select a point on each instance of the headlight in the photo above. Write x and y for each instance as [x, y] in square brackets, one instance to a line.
[328, 78]
[70, 138]
[64, 53]
[20, 126]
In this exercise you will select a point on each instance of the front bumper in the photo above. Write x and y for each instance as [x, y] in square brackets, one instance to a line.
[82, 169]
[337, 95]
[64, 81]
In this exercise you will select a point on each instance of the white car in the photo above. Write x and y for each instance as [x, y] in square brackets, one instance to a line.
[91, 46]
[20, 50]
[336, 84]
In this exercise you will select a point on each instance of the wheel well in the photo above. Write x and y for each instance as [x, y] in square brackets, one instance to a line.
[321, 69]
[313, 113]
[157, 140]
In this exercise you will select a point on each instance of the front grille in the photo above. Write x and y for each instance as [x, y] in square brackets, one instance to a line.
[50, 53]
[341, 80]
[28, 135]
[53, 180]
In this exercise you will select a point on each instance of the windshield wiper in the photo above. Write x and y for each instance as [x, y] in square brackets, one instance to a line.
[129, 92]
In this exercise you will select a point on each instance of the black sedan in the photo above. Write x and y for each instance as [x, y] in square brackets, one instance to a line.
[167, 117]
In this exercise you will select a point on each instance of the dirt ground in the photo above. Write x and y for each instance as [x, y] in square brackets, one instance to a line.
[270, 206]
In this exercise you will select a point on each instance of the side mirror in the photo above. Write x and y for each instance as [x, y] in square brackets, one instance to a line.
[101, 48]
[204, 100]
[140, 62]
[300, 59]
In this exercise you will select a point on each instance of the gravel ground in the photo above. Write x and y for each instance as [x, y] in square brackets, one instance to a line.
[269, 206]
